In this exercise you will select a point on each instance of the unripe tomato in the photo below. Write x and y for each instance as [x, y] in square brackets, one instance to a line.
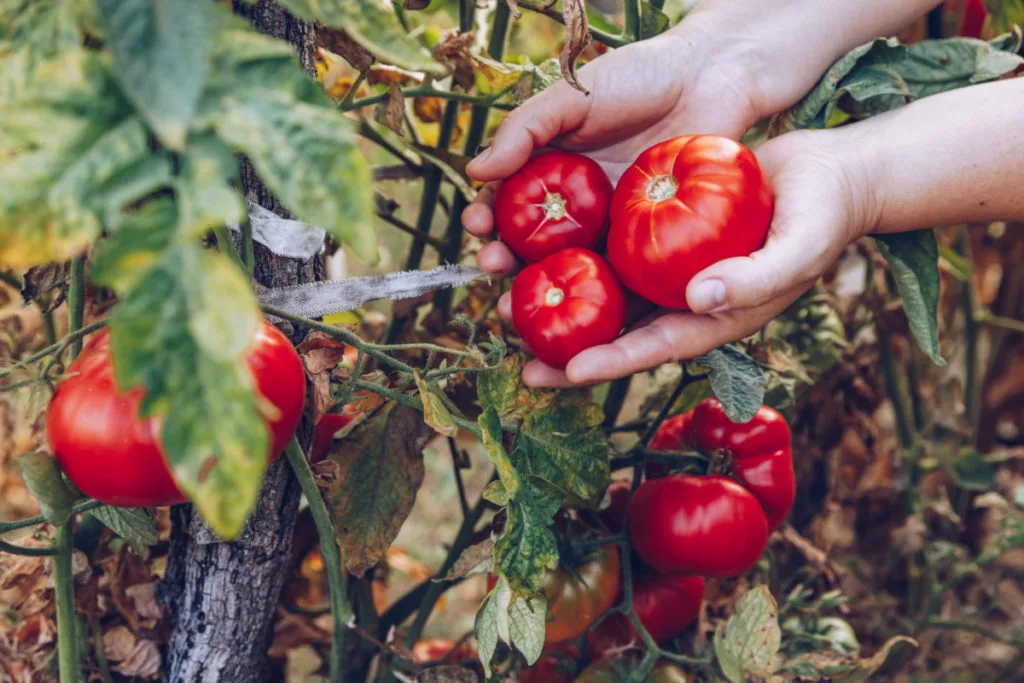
[556, 201]
[114, 455]
[760, 451]
[329, 425]
[576, 599]
[684, 205]
[663, 603]
[711, 526]
[568, 302]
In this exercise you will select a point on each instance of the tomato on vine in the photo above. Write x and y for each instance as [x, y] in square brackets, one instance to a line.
[568, 302]
[684, 205]
[114, 455]
[556, 201]
[329, 425]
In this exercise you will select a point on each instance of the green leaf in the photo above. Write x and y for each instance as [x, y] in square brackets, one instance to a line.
[32, 31]
[132, 524]
[181, 331]
[737, 381]
[970, 471]
[490, 426]
[380, 470]
[505, 391]
[652, 20]
[527, 621]
[204, 189]
[372, 26]
[307, 155]
[492, 622]
[161, 56]
[527, 549]
[914, 258]
[435, 412]
[748, 644]
[934, 66]
[128, 254]
[563, 444]
[43, 478]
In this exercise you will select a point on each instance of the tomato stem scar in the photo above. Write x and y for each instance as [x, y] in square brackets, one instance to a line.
[661, 188]
[554, 296]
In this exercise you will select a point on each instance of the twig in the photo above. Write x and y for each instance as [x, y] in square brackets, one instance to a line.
[27, 552]
[85, 506]
[547, 8]
[459, 484]
[71, 338]
[430, 91]
[1005, 323]
[98, 649]
[409, 230]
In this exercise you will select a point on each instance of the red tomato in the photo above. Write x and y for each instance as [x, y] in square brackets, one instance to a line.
[760, 451]
[431, 650]
[972, 21]
[557, 664]
[577, 598]
[684, 205]
[568, 302]
[615, 513]
[556, 201]
[665, 605]
[115, 456]
[711, 526]
[329, 425]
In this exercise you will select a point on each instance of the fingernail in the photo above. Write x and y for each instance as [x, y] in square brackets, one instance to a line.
[482, 156]
[709, 297]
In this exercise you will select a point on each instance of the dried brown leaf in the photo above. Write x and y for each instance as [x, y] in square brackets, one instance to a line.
[391, 75]
[577, 38]
[119, 643]
[513, 8]
[340, 43]
[476, 559]
[427, 109]
[144, 661]
[41, 280]
[391, 111]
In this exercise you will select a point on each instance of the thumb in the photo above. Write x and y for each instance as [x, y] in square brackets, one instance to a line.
[557, 110]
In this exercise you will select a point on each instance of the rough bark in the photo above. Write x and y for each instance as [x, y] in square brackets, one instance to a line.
[223, 596]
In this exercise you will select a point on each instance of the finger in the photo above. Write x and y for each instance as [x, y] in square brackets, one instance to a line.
[478, 217]
[537, 374]
[496, 258]
[671, 337]
[505, 306]
[534, 124]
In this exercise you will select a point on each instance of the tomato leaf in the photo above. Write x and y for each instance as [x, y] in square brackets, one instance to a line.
[737, 381]
[492, 622]
[435, 412]
[134, 525]
[476, 559]
[970, 471]
[160, 60]
[206, 198]
[527, 621]
[914, 259]
[653, 21]
[372, 26]
[527, 548]
[490, 427]
[380, 469]
[125, 257]
[748, 644]
[43, 479]
[505, 391]
[32, 31]
[181, 330]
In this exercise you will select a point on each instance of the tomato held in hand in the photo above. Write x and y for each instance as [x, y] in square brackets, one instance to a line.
[556, 201]
[664, 604]
[577, 598]
[114, 455]
[684, 205]
[760, 451]
[568, 302]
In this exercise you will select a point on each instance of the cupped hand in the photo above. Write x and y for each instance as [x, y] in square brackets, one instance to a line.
[823, 202]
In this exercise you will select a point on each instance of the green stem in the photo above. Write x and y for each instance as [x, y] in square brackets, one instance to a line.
[49, 327]
[430, 91]
[71, 338]
[967, 301]
[227, 246]
[663, 413]
[951, 625]
[614, 399]
[67, 623]
[547, 8]
[13, 549]
[248, 248]
[85, 506]
[98, 649]
[1001, 321]
[632, 16]
[351, 94]
[76, 302]
[895, 388]
[340, 609]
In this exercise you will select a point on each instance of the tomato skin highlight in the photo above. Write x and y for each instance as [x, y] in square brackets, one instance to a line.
[568, 302]
[664, 604]
[721, 208]
[760, 451]
[113, 455]
[556, 201]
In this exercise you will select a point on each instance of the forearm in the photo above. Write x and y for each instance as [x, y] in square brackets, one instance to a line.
[790, 43]
[946, 159]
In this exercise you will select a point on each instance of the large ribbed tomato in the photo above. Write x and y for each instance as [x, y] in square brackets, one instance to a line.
[114, 455]
[556, 201]
[682, 206]
[568, 302]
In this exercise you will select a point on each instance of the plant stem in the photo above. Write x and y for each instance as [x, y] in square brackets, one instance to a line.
[248, 248]
[340, 609]
[974, 628]
[429, 91]
[614, 399]
[457, 472]
[49, 327]
[76, 303]
[26, 552]
[1001, 321]
[967, 301]
[663, 413]
[351, 94]
[417, 236]
[71, 338]
[85, 506]
[632, 15]
[895, 388]
[98, 649]
[64, 589]
[547, 8]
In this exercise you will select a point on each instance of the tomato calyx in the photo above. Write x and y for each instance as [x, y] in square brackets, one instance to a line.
[555, 207]
[720, 462]
[661, 188]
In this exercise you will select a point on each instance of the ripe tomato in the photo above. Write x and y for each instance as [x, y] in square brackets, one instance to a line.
[760, 451]
[576, 600]
[665, 605]
[556, 201]
[972, 21]
[711, 526]
[615, 513]
[431, 650]
[684, 205]
[114, 455]
[557, 664]
[568, 302]
[329, 425]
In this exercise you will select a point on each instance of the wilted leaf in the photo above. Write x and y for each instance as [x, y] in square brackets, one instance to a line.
[340, 43]
[505, 391]
[748, 644]
[535, 78]
[43, 478]
[41, 280]
[970, 471]
[866, 668]
[914, 258]
[132, 524]
[527, 621]
[476, 559]
[435, 412]
[380, 471]
[492, 622]
[577, 38]
[737, 381]
[391, 111]
[160, 61]
[490, 427]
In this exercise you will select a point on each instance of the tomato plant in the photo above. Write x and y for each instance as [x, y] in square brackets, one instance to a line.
[566, 303]
[684, 205]
[557, 664]
[556, 201]
[114, 455]
[329, 425]
[663, 603]
[618, 501]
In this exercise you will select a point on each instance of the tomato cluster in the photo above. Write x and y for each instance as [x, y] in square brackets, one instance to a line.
[685, 204]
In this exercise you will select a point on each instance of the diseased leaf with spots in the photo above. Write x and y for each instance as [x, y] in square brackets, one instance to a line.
[134, 525]
[435, 412]
[126, 255]
[505, 391]
[492, 622]
[527, 549]
[476, 559]
[490, 427]
[914, 259]
[527, 621]
[380, 469]
[31, 32]
[736, 380]
[206, 198]
[748, 644]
